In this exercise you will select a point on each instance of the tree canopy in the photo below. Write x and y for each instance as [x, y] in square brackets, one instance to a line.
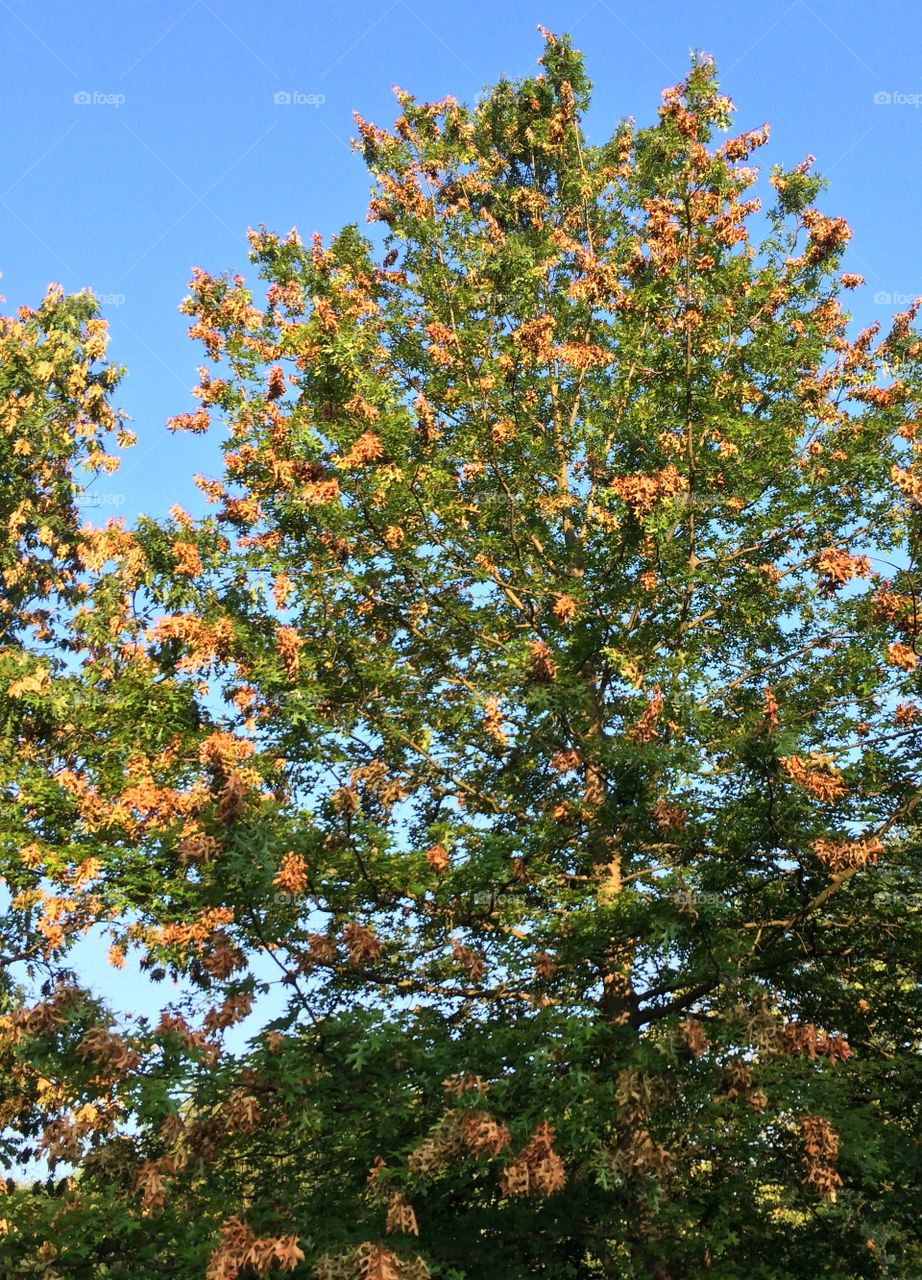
[531, 730]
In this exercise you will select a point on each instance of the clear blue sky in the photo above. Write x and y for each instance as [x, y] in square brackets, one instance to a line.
[183, 146]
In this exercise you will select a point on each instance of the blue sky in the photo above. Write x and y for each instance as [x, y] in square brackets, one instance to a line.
[182, 145]
[145, 139]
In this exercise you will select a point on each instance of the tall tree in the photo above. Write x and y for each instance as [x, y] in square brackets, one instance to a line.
[532, 726]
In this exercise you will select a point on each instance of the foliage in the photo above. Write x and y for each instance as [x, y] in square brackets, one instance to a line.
[538, 706]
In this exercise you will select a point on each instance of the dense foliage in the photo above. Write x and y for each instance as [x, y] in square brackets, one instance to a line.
[531, 735]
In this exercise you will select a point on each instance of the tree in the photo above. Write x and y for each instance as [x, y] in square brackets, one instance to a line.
[533, 726]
